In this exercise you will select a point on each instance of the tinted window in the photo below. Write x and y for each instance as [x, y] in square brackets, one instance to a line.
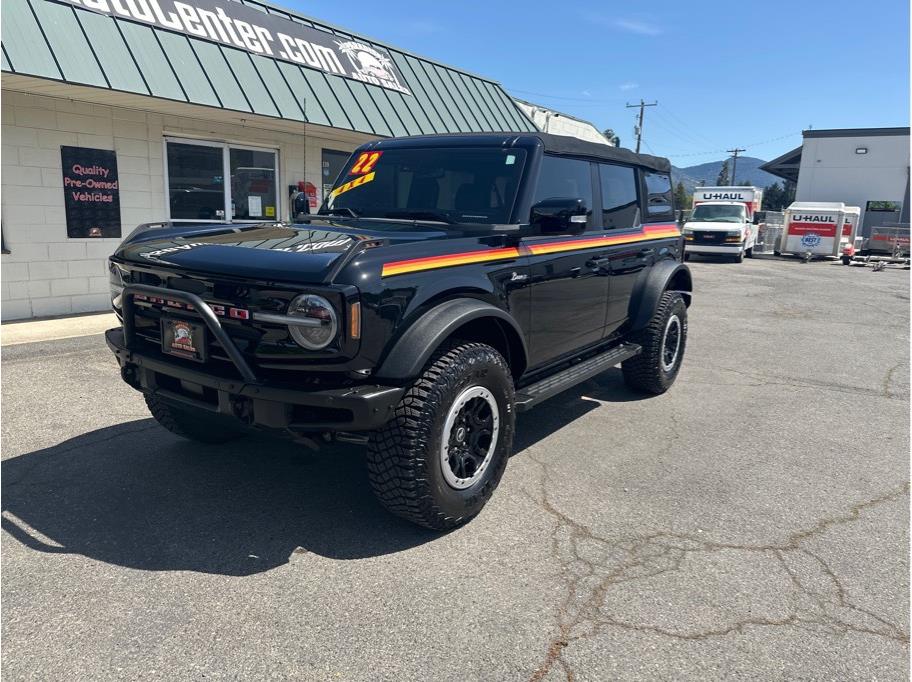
[620, 208]
[453, 185]
[561, 178]
[658, 196]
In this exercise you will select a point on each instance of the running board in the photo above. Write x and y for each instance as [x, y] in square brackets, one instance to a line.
[531, 395]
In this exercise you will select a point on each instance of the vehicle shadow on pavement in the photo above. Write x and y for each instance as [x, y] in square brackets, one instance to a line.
[137, 496]
[134, 495]
[570, 405]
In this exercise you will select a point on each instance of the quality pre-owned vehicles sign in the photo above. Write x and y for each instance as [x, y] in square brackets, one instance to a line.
[270, 35]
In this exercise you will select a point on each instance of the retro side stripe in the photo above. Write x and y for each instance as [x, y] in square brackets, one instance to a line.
[645, 234]
[435, 262]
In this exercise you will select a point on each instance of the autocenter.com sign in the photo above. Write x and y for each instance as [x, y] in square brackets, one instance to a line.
[270, 35]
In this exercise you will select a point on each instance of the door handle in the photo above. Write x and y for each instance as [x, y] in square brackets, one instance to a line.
[598, 263]
[644, 253]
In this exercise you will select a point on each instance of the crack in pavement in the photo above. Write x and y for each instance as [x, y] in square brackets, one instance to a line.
[765, 379]
[592, 566]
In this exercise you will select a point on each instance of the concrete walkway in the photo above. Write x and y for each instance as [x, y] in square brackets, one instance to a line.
[29, 331]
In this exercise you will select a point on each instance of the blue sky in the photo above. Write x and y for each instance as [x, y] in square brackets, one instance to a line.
[747, 74]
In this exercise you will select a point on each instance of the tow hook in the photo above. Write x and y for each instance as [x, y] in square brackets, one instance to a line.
[242, 408]
[129, 374]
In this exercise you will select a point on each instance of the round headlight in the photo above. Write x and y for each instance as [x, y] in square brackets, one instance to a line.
[319, 322]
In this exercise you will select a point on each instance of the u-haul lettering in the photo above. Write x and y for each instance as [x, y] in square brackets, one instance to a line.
[723, 196]
[801, 224]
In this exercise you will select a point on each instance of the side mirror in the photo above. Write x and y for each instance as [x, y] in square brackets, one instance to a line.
[300, 207]
[560, 216]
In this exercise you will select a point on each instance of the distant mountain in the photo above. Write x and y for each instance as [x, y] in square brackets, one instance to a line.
[748, 170]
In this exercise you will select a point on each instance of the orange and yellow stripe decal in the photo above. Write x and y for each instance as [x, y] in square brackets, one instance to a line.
[647, 233]
[433, 262]
[351, 184]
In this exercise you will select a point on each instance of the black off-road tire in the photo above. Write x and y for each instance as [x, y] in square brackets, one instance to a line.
[404, 457]
[192, 424]
[646, 372]
[740, 257]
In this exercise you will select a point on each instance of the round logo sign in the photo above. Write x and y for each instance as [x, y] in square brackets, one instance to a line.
[810, 240]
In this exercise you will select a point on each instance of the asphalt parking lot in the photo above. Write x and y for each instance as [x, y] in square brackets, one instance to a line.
[752, 523]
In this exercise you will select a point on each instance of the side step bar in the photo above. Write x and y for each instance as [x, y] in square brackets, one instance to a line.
[550, 386]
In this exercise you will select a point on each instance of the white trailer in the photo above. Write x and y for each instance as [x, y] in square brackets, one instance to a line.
[722, 221]
[821, 229]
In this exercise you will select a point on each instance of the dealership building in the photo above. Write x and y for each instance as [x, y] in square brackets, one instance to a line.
[121, 112]
[864, 167]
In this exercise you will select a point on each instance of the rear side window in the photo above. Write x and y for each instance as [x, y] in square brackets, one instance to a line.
[658, 196]
[562, 178]
[620, 208]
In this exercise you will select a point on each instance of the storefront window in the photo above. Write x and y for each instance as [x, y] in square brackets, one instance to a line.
[196, 182]
[333, 163]
[197, 190]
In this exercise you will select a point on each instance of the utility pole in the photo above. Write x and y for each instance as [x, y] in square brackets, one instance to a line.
[734, 153]
[639, 128]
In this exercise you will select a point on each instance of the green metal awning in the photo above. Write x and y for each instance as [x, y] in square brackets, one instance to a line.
[71, 41]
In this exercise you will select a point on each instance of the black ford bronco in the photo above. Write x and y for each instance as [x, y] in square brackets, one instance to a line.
[446, 283]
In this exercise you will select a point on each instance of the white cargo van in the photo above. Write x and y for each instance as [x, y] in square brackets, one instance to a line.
[722, 222]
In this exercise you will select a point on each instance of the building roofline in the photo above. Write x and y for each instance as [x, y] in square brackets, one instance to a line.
[555, 111]
[857, 132]
[322, 24]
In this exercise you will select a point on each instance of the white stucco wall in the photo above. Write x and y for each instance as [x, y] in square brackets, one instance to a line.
[47, 273]
[556, 123]
[832, 171]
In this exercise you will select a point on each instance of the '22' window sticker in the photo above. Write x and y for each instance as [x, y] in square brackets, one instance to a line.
[365, 163]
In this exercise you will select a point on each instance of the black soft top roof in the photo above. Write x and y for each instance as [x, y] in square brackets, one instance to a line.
[555, 144]
[561, 144]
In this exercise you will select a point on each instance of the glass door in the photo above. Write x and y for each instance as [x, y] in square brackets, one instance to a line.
[217, 182]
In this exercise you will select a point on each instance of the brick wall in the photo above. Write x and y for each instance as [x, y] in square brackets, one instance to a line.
[48, 274]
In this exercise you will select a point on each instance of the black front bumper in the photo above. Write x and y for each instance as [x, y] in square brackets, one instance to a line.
[352, 408]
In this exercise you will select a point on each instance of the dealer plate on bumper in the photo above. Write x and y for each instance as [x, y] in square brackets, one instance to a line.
[183, 338]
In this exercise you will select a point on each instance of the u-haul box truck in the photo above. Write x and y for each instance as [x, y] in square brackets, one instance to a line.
[819, 229]
[722, 221]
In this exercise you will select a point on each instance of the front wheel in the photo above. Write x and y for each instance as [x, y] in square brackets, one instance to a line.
[740, 257]
[438, 461]
[663, 340]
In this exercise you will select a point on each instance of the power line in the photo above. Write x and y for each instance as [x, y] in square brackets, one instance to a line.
[590, 100]
[749, 146]
[639, 128]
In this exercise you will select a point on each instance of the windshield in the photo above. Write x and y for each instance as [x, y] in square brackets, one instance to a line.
[447, 185]
[708, 213]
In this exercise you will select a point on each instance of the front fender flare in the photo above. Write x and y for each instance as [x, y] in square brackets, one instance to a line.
[414, 347]
[659, 278]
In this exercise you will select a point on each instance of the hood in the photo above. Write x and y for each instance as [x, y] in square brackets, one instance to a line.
[713, 227]
[297, 253]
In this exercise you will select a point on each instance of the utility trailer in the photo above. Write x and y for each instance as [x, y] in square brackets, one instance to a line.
[886, 245]
[821, 229]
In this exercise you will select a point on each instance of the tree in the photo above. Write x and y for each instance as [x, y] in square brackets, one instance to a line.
[724, 179]
[681, 198]
[778, 196]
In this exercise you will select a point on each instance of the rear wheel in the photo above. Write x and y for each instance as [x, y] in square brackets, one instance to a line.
[437, 462]
[193, 424]
[663, 340]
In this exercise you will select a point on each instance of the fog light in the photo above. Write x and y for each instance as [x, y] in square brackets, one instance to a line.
[321, 321]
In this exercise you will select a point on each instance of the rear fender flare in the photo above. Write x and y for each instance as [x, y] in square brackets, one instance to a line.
[414, 347]
[663, 276]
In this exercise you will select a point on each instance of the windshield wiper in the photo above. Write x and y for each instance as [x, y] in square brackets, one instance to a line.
[421, 215]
